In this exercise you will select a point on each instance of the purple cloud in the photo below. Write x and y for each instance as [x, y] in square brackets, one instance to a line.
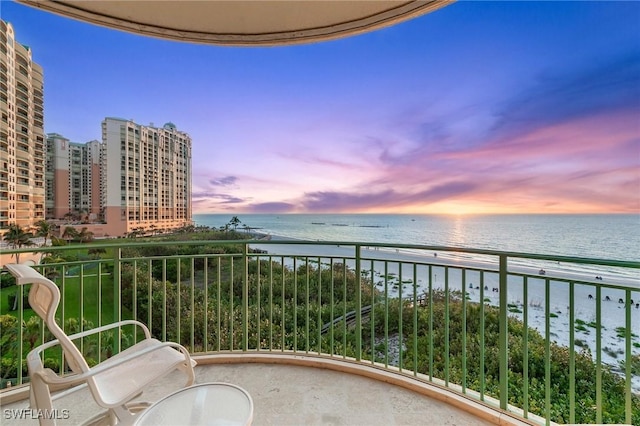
[333, 201]
[223, 181]
[274, 207]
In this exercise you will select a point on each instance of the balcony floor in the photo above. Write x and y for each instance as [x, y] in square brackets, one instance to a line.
[294, 395]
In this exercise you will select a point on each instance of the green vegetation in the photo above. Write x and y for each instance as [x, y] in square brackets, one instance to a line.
[195, 295]
[613, 386]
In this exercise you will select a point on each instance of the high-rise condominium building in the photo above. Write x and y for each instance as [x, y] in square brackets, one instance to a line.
[72, 179]
[146, 177]
[22, 151]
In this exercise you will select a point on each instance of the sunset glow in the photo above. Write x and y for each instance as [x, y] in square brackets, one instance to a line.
[480, 107]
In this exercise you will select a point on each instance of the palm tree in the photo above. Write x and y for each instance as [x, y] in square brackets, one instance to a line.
[52, 272]
[85, 236]
[70, 233]
[44, 229]
[235, 222]
[17, 238]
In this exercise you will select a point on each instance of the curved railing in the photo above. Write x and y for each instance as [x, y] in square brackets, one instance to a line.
[556, 336]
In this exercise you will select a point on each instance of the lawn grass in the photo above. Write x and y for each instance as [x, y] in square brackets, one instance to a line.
[97, 310]
[96, 294]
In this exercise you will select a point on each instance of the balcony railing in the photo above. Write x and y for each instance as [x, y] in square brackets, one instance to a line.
[543, 337]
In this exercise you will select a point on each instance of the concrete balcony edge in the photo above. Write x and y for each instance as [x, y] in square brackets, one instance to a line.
[419, 383]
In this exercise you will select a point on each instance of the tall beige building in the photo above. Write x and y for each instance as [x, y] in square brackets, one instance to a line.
[146, 177]
[22, 150]
[72, 179]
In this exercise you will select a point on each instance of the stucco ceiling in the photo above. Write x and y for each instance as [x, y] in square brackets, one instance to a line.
[242, 22]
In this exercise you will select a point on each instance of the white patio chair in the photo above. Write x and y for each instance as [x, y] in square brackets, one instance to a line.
[113, 383]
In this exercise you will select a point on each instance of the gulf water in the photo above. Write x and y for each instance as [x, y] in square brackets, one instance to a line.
[613, 237]
[610, 237]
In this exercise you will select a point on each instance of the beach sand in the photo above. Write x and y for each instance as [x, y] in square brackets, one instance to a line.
[400, 274]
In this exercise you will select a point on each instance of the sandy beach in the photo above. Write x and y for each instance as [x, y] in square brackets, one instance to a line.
[400, 274]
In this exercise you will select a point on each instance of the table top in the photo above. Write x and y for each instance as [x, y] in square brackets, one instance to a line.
[214, 403]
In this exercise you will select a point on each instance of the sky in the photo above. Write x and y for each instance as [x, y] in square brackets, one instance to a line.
[479, 107]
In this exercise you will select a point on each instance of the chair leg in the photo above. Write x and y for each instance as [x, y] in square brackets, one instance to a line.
[189, 372]
[126, 414]
[40, 399]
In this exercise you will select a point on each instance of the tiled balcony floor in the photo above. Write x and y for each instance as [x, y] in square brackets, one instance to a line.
[294, 395]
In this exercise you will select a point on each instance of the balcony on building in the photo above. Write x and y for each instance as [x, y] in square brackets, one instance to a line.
[398, 333]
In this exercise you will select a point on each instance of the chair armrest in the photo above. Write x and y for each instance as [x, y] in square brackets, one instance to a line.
[89, 332]
[55, 342]
[51, 378]
[37, 350]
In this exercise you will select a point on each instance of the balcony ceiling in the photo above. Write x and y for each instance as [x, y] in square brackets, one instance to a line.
[243, 22]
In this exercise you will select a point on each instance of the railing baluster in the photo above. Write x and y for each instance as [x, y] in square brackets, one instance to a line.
[81, 301]
[358, 295]
[270, 303]
[100, 323]
[464, 331]
[178, 299]
[306, 305]
[205, 277]
[283, 324]
[20, 295]
[572, 355]
[547, 351]
[400, 316]
[319, 307]
[430, 322]
[386, 313]
[627, 357]
[482, 345]
[331, 316]
[219, 305]
[446, 327]
[231, 300]
[295, 305]
[372, 312]
[191, 308]
[415, 319]
[117, 296]
[525, 347]
[164, 300]
[258, 298]
[150, 295]
[598, 354]
[245, 297]
[344, 307]
[503, 334]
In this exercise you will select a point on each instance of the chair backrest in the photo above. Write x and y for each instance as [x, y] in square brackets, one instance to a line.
[44, 299]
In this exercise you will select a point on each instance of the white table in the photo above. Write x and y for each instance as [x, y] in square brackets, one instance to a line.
[217, 403]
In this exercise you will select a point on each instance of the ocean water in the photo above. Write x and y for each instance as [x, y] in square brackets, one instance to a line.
[610, 237]
[613, 237]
